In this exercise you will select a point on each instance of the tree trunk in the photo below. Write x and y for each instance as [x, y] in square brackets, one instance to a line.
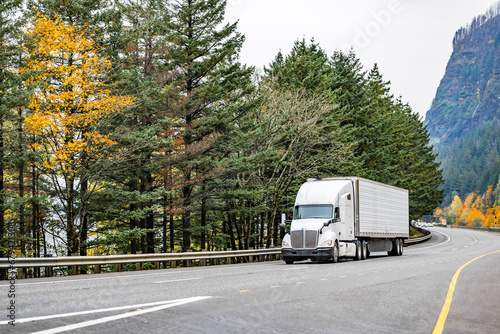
[231, 232]
[36, 215]
[150, 219]
[22, 226]
[186, 216]
[84, 227]
[172, 231]
[73, 244]
[2, 200]
[133, 225]
[203, 217]
[164, 226]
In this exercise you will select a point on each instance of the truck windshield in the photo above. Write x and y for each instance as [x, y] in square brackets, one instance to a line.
[313, 211]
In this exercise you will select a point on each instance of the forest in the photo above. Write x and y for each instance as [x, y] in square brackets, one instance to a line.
[131, 126]
[477, 210]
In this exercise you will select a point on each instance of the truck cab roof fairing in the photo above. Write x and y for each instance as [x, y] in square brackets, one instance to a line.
[322, 192]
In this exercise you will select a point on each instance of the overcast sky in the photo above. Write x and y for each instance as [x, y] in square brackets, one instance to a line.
[410, 40]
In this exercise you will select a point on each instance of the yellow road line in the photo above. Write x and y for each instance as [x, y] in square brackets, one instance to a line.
[438, 328]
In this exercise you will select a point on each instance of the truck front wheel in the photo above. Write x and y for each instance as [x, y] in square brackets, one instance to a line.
[335, 255]
[289, 261]
[364, 250]
[357, 257]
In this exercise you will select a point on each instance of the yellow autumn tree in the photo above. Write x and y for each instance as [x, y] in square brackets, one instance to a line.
[454, 207]
[465, 209]
[69, 104]
[475, 218]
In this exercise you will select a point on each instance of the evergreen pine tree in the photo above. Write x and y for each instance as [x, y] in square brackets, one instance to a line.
[9, 100]
[211, 82]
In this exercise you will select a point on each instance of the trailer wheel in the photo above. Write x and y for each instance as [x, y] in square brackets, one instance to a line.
[395, 246]
[357, 256]
[335, 255]
[363, 250]
[400, 248]
[289, 261]
[364, 247]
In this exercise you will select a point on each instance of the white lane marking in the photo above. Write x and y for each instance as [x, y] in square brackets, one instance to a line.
[118, 308]
[86, 279]
[178, 280]
[122, 316]
[442, 243]
[297, 268]
[18, 283]
[454, 249]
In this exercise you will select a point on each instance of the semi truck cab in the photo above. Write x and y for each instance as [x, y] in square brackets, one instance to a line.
[322, 228]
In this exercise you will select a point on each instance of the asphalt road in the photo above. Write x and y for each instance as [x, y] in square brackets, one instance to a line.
[379, 295]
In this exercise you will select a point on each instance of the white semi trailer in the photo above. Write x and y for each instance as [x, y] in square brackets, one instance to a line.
[346, 217]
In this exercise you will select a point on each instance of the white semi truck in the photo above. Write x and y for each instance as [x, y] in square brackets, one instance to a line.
[345, 217]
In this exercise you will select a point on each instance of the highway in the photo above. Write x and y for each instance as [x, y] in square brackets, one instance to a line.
[382, 294]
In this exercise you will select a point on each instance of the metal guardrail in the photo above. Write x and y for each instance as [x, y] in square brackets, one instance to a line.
[26, 262]
[97, 261]
[417, 240]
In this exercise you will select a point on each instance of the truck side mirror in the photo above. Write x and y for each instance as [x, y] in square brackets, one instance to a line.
[326, 224]
[283, 225]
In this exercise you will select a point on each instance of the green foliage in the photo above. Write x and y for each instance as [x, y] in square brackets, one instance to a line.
[205, 158]
[472, 163]
[390, 143]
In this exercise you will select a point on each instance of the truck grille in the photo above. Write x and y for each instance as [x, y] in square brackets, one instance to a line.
[311, 238]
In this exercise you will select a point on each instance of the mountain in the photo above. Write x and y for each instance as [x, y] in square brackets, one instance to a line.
[464, 118]
[468, 94]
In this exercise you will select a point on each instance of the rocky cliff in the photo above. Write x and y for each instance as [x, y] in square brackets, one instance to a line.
[469, 92]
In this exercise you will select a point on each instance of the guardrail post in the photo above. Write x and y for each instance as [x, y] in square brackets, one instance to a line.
[48, 270]
[119, 265]
[97, 267]
[203, 262]
[250, 257]
[74, 269]
[138, 265]
[20, 271]
[229, 258]
[157, 263]
[189, 262]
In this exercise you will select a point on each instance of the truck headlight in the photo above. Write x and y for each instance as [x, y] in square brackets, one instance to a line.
[327, 243]
[284, 244]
